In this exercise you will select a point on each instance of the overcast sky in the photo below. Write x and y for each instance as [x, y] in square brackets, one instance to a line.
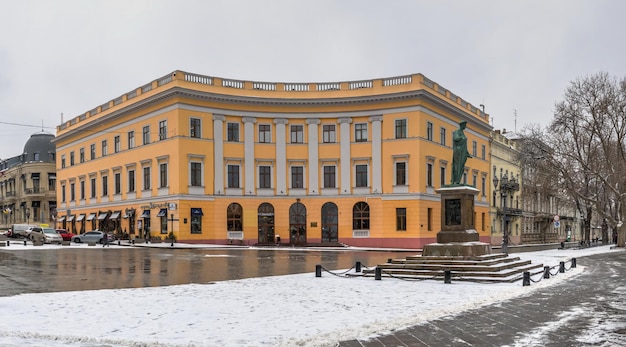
[512, 56]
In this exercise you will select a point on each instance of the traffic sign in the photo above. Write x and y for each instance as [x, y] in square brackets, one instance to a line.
[557, 224]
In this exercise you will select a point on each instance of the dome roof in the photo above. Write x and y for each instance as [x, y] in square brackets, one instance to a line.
[41, 143]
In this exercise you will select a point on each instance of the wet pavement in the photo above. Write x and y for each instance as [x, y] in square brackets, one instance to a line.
[73, 268]
[586, 310]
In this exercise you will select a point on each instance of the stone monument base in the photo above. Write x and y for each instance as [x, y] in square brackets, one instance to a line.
[456, 249]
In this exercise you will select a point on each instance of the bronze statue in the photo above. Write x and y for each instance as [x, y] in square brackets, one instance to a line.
[459, 153]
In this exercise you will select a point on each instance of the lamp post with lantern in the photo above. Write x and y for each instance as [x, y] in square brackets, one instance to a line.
[507, 187]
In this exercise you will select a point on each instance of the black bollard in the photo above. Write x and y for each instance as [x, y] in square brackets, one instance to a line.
[526, 280]
[119, 243]
[358, 266]
[172, 245]
[573, 262]
[562, 267]
[389, 261]
[318, 270]
[8, 242]
[24, 242]
[546, 272]
[378, 274]
[132, 241]
[447, 276]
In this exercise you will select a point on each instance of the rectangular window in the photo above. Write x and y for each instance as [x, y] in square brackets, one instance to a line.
[429, 131]
[265, 135]
[117, 145]
[196, 222]
[233, 176]
[328, 133]
[474, 149]
[92, 183]
[105, 185]
[297, 177]
[265, 177]
[232, 132]
[162, 130]
[429, 174]
[71, 158]
[443, 176]
[329, 177]
[401, 219]
[361, 175]
[146, 178]
[117, 177]
[360, 132]
[63, 193]
[194, 128]
[104, 148]
[92, 150]
[82, 190]
[482, 185]
[145, 135]
[474, 180]
[482, 151]
[196, 174]
[72, 192]
[164, 224]
[401, 173]
[429, 219]
[131, 181]
[162, 175]
[297, 134]
[62, 161]
[442, 136]
[82, 155]
[400, 128]
[131, 139]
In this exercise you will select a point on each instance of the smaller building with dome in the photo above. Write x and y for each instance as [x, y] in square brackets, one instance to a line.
[28, 184]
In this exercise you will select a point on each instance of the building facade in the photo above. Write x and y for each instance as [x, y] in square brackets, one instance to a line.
[28, 184]
[215, 160]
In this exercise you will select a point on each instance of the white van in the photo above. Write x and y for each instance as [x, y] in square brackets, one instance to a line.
[22, 230]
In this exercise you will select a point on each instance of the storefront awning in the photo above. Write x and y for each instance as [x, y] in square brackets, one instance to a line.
[196, 212]
[162, 213]
[115, 215]
[70, 218]
[80, 218]
[61, 219]
[92, 216]
[102, 216]
[145, 214]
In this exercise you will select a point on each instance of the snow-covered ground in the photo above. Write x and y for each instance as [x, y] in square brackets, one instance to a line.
[293, 310]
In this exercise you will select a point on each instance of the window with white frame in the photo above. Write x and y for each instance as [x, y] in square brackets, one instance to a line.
[105, 185]
[265, 176]
[360, 132]
[195, 174]
[92, 151]
[162, 175]
[233, 176]
[92, 184]
[195, 128]
[117, 177]
[401, 131]
[429, 131]
[145, 134]
[117, 145]
[400, 173]
[361, 175]
[131, 139]
[146, 177]
[442, 136]
[474, 149]
[330, 176]
[328, 133]
[265, 133]
[297, 133]
[162, 130]
[104, 148]
[131, 181]
[81, 154]
[232, 132]
[429, 174]
[297, 177]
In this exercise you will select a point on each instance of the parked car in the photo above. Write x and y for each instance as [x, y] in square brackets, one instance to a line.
[66, 235]
[92, 236]
[47, 235]
[22, 230]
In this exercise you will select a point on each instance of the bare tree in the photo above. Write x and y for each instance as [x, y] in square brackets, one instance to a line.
[588, 141]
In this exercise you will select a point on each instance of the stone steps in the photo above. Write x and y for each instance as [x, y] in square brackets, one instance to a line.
[491, 268]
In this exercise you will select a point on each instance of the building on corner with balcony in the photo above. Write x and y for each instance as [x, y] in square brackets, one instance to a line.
[28, 184]
[214, 160]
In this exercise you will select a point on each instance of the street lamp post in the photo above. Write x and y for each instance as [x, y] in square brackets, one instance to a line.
[506, 187]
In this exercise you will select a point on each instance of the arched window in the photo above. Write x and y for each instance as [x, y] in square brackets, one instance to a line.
[234, 217]
[330, 222]
[361, 216]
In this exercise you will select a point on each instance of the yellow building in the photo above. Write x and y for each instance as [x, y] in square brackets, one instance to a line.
[221, 161]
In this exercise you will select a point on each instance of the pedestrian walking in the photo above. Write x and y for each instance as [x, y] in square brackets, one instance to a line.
[105, 240]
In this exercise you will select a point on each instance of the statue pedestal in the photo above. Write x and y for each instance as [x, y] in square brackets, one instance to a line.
[458, 236]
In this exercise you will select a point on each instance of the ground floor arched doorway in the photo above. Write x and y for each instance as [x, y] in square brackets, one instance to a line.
[330, 222]
[266, 223]
[297, 223]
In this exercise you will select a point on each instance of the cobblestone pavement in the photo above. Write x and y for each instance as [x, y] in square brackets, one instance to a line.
[586, 310]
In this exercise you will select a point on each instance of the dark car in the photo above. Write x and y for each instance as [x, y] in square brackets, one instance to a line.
[66, 235]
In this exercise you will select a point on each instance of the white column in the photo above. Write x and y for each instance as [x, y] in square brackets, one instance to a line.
[376, 153]
[248, 146]
[344, 134]
[218, 153]
[313, 183]
[281, 160]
